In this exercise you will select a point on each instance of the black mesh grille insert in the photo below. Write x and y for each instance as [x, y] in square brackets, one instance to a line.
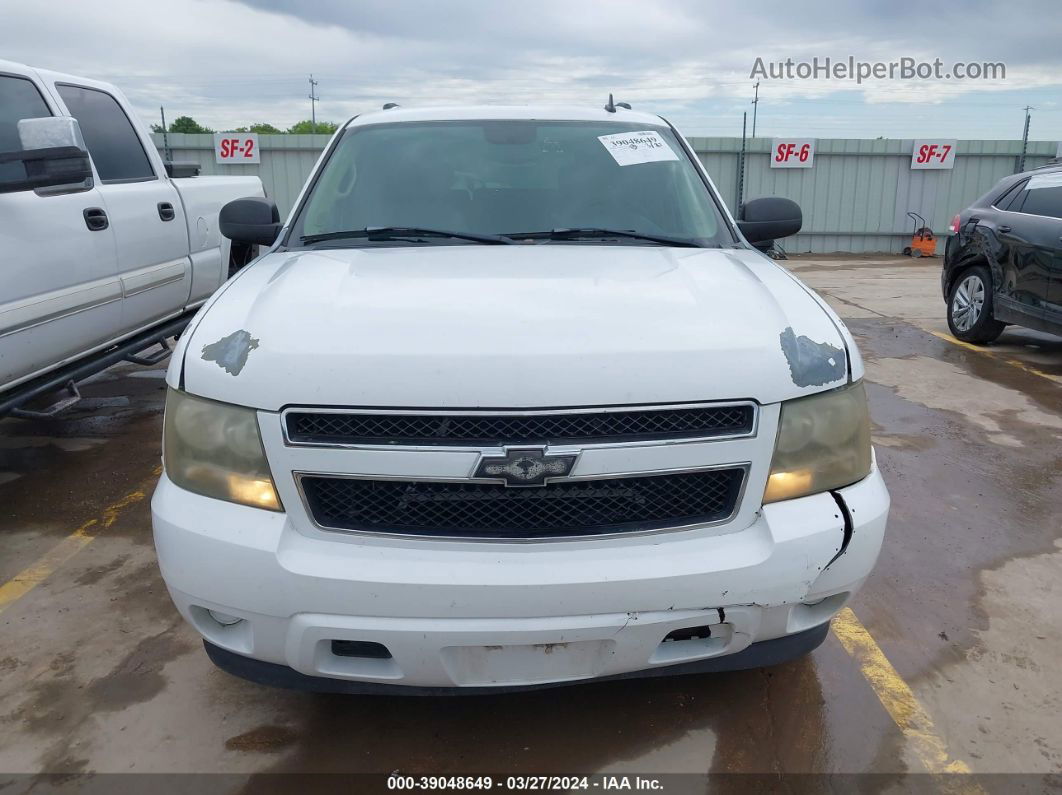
[497, 429]
[559, 509]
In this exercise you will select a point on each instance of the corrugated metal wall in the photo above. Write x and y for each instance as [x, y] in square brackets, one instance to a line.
[286, 161]
[856, 196]
[854, 199]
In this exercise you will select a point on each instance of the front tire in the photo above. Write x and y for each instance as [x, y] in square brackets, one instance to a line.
[970, 307]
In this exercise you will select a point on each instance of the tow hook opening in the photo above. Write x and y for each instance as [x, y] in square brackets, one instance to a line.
[693, 643]
[360, 648]
[689, 633]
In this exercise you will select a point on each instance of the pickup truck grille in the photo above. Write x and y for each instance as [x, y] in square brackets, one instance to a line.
[688, 422]
[561, 509]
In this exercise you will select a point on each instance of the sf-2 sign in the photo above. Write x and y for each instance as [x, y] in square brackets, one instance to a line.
[236, 148]
[933, 154]
[792, 152]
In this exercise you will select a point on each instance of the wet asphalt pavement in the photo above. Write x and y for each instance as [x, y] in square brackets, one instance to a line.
[99, 674]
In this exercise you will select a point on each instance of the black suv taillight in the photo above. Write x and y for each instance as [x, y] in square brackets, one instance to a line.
[953, 227]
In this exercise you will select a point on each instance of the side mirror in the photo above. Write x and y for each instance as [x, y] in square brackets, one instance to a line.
[762, 221]
[251, 220]
[52, 156]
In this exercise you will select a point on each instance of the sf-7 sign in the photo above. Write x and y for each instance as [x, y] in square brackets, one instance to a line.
[933, 154]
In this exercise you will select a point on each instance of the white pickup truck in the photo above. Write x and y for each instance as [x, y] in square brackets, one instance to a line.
[103, 254]
[513, 401]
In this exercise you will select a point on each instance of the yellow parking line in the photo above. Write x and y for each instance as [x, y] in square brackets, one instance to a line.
[897, 698]
[978, 349]
[32, 576]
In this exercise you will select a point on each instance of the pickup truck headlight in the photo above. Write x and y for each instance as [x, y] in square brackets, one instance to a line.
[215, 449]
[823, 443]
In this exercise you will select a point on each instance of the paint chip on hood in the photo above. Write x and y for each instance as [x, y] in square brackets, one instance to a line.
[812, 363]
[231, 352]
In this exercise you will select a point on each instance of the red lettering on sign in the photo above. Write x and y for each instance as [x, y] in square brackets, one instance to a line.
[786, 150]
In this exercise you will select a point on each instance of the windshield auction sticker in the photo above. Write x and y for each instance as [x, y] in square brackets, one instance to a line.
[631, 148]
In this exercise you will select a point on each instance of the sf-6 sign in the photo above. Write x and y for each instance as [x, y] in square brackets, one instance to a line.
[236, 148]
[933, 154]
[792, 152]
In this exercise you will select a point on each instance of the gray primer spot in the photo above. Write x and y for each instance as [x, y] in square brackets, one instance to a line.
[231, 352]
[812, 363]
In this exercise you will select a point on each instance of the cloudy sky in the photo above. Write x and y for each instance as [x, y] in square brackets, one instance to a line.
[233, 62]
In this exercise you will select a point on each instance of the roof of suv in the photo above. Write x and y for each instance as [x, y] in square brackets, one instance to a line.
[1053, 166]
[509, 112]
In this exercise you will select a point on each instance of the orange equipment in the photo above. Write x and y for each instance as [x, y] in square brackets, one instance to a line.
[923, 244]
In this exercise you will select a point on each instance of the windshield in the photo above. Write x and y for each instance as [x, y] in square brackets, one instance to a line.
[510, 178]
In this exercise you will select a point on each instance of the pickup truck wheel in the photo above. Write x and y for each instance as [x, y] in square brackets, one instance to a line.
[970, 307]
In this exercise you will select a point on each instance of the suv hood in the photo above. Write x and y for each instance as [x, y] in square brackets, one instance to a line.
[511, 327]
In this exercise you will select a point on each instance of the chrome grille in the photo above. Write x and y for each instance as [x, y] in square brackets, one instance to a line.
[304, 426]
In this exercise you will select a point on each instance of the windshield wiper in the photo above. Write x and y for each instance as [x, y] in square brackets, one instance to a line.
[380, 233]
[595, 233]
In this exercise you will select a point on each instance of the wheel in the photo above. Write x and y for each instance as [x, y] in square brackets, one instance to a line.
[970, 307]
[907, 251]
[916, 253]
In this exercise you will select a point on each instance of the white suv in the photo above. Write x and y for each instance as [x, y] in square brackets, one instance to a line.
[512, 401]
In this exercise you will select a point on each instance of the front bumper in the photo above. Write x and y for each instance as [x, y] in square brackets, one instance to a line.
[474, 615]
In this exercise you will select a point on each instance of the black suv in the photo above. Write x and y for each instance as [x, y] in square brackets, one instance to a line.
[1003, 261]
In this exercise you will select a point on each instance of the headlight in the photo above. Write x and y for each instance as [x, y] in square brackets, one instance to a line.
[823, 443]
[214, 449]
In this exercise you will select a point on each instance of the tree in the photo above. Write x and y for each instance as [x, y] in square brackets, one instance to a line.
[306, 126]
[265, 128]
[186, 124]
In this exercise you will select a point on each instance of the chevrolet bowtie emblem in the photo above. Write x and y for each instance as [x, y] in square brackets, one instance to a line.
[528, 467]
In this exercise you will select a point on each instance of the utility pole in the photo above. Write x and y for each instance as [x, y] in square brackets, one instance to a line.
[165, 135]
[314, 99]
[1024, 139]
[755, 107]
[741, 167]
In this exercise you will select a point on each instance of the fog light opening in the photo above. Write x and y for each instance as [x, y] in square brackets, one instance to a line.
[224, 619]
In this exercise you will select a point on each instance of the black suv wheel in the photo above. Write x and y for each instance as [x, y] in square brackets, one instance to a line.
[970, 307]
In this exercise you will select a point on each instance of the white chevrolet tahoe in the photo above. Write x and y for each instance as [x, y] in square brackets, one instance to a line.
[512, 401]
[103, 255]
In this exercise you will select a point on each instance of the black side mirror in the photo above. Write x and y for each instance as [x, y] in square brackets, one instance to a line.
[45, 168]
[251, 220]
[762, 221]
